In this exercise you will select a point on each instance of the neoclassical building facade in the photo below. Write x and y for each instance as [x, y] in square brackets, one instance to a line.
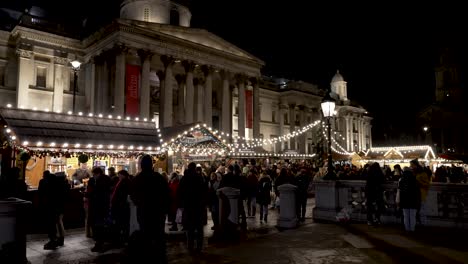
[151, 64]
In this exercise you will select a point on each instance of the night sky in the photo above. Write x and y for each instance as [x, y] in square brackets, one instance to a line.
[385, 52]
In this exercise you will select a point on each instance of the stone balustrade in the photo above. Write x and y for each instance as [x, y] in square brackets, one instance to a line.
[446, 204]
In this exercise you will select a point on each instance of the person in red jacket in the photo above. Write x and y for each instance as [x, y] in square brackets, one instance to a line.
[173, 187]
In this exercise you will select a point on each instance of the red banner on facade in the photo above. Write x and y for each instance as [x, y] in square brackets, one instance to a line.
[131, 94]
[248, 109]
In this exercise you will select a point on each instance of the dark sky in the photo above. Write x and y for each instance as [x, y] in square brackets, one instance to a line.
[386, 51]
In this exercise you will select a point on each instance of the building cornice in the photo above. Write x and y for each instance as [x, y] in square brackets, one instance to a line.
[33, 35]
[164, 44]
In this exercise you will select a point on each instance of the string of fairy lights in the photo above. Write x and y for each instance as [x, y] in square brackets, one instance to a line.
[219, 144]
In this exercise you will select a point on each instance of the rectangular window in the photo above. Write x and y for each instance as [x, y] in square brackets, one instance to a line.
[2, 75]
[309, 119]
[236, 111]
[273, 116]
[286, 119]
[41, 77]
[146, 14]
[297, 120]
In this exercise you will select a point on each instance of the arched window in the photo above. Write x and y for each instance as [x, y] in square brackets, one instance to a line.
[146, 14]
[174, 17]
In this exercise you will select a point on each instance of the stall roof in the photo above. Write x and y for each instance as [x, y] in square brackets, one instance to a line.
[48, 129]
[400, 153]
[196, 136]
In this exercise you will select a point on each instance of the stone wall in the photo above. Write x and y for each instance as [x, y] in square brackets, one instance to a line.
[446, 204]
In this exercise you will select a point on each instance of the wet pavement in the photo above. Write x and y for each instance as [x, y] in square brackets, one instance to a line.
[263, 243]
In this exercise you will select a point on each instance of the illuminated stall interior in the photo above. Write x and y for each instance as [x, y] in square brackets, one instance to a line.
[401, 155]
[55, 141]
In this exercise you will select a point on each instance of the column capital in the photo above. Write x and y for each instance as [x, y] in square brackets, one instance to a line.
[283, 106]
[61, 60]
[119, 48]
[225, 74]
[180, 78]
[207, 70]
[161, 75]
[24, 53]
[145, 54]
[240, 78]
[255, 81]
[189, 66]
[167, 61]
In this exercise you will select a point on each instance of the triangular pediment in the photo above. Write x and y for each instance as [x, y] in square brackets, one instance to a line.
[198, 36]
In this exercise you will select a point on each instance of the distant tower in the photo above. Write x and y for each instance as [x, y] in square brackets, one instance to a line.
[338, 86]
[447, 79]
[156, 11]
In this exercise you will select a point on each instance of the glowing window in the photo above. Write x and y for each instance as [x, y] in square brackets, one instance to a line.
[146, 14]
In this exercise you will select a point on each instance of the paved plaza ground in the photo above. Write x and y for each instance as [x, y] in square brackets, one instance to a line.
[310, 243]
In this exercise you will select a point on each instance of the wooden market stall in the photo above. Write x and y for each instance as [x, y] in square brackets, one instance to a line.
[67, 143]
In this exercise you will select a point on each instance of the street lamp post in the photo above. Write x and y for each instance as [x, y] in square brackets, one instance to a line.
[328, 110]
[76, 67]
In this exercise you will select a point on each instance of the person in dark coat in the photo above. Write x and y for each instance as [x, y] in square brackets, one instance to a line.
[374, 193]
[193, 194]
[47, 198]
[302, 182]
[251, 192]
[150, 193]
[98, 193]
[120, 209]
[409, 198]
[263, 196]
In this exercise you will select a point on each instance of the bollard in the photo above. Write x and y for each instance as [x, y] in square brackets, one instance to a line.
[13, 215]
[228, 214]
[287, 217]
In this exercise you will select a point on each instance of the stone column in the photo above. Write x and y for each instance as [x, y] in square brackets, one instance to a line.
[241, 105]
[180, 98]
[292, 125]
[119, 90]
[370, 136]
[60, 69]
[104, 87]
[90, 85]
[226, 118]
[161, 97]
[167, 103]
[256, 108]
[347, 132]
[282, 110]
[288, 216]
[25, 75]
[302, 123]
[198, 83]
[189, 96]
[208, 71]
[145, 93]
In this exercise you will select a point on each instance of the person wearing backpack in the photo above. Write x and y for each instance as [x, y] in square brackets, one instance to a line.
[263, 196]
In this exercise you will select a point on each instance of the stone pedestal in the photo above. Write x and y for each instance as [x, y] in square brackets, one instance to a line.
[287, 217]
[134, 226]
[232, 194]
[13, 215]
[326, 201]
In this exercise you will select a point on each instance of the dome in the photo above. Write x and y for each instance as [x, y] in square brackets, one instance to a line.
[157, 11]
[338, 77]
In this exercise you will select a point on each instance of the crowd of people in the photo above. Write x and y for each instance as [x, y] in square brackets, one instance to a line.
[186, 197]
[182, 198]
